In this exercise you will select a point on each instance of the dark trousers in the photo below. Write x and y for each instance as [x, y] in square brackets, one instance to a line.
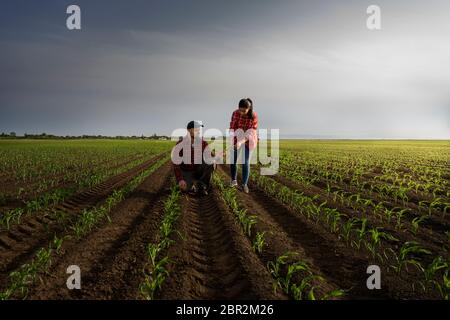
[245, 165]
[201, 176]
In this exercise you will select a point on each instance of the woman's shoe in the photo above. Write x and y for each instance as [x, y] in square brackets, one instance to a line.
[245, 188]
[233, 183]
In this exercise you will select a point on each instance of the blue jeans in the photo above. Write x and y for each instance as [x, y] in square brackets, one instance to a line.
[245, 166]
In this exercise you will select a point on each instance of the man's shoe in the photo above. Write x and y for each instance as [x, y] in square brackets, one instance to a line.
[203, 192]
[193, 191]
[245, 188]
[233, 183]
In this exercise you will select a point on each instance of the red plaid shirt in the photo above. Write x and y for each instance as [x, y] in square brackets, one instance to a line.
[239, 121]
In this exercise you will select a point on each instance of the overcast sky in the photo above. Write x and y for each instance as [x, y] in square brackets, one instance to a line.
[312, 68]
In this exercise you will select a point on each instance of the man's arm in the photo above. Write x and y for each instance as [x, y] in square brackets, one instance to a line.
[177, 169]
[178, 172]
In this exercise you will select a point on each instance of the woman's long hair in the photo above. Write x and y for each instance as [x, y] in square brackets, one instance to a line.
[247, 103]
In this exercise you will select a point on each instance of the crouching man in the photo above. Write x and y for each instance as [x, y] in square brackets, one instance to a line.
[192, 161]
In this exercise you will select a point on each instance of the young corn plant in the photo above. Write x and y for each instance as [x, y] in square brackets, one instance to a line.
[259, 242]
[57, 243]
[415, 223]
[409, 255]
[13, 215]
[336, 220]
[334, 294]
[375, 241]
[437, 264]
[426, 206]
[247, 224]
[21, 279]
[293, 268]
[332, 218]
[444, 286]
[283, 272]
[61, 216]
[306, 288]
[360, 232]
[154, 279]
[399, 215]
[157, 270]
[274, 268]
[389, 213]
[348, 227]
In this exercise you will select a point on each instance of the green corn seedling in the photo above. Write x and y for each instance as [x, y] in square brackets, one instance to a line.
[415, 223]
[408, 255]
[259, 242]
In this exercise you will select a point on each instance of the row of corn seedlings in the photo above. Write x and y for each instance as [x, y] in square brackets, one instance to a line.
[156, 270]
[27, 274]
[355, 231]
[398, 194]
[45, 202]
[293, 276]
[396, 214]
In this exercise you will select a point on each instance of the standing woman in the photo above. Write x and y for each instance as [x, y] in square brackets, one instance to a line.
[244, 118]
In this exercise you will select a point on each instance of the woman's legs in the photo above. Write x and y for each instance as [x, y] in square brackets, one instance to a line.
[246, 166]
[233, 166]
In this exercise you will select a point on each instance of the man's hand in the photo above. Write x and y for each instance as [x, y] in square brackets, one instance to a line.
[183, 185]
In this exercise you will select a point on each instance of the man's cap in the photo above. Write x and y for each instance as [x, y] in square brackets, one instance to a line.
[194, 124]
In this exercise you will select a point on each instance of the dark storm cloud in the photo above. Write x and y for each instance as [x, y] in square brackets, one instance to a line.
[149, 66]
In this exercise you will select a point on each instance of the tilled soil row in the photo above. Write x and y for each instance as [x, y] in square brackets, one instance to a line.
[29, 195]
[112, 257]
[433, 240]
[277, 242]
[340, 263]
[18, 244]
[340, 266]
[435, 222]
[215, 260]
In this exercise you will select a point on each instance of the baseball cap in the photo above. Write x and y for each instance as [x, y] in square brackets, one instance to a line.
[194, 124]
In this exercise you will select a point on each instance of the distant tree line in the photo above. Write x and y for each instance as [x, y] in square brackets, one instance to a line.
[13, 135]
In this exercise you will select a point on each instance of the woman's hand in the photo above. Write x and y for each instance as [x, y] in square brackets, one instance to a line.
[183, 185]
[239, 143]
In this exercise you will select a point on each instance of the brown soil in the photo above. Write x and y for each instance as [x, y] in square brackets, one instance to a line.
[215, 261]
[211, 258]
[18, 244]
[339, 262]
[112, 257]
[341, 266]
[9, 188]
[432, 238]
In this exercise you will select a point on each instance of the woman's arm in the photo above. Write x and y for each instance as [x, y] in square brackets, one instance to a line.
[234, 120]
[255, 121]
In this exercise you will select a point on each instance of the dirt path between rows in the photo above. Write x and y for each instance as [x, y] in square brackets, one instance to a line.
[18, 245]
[340, 265]
[112, 257]
[216, 260]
